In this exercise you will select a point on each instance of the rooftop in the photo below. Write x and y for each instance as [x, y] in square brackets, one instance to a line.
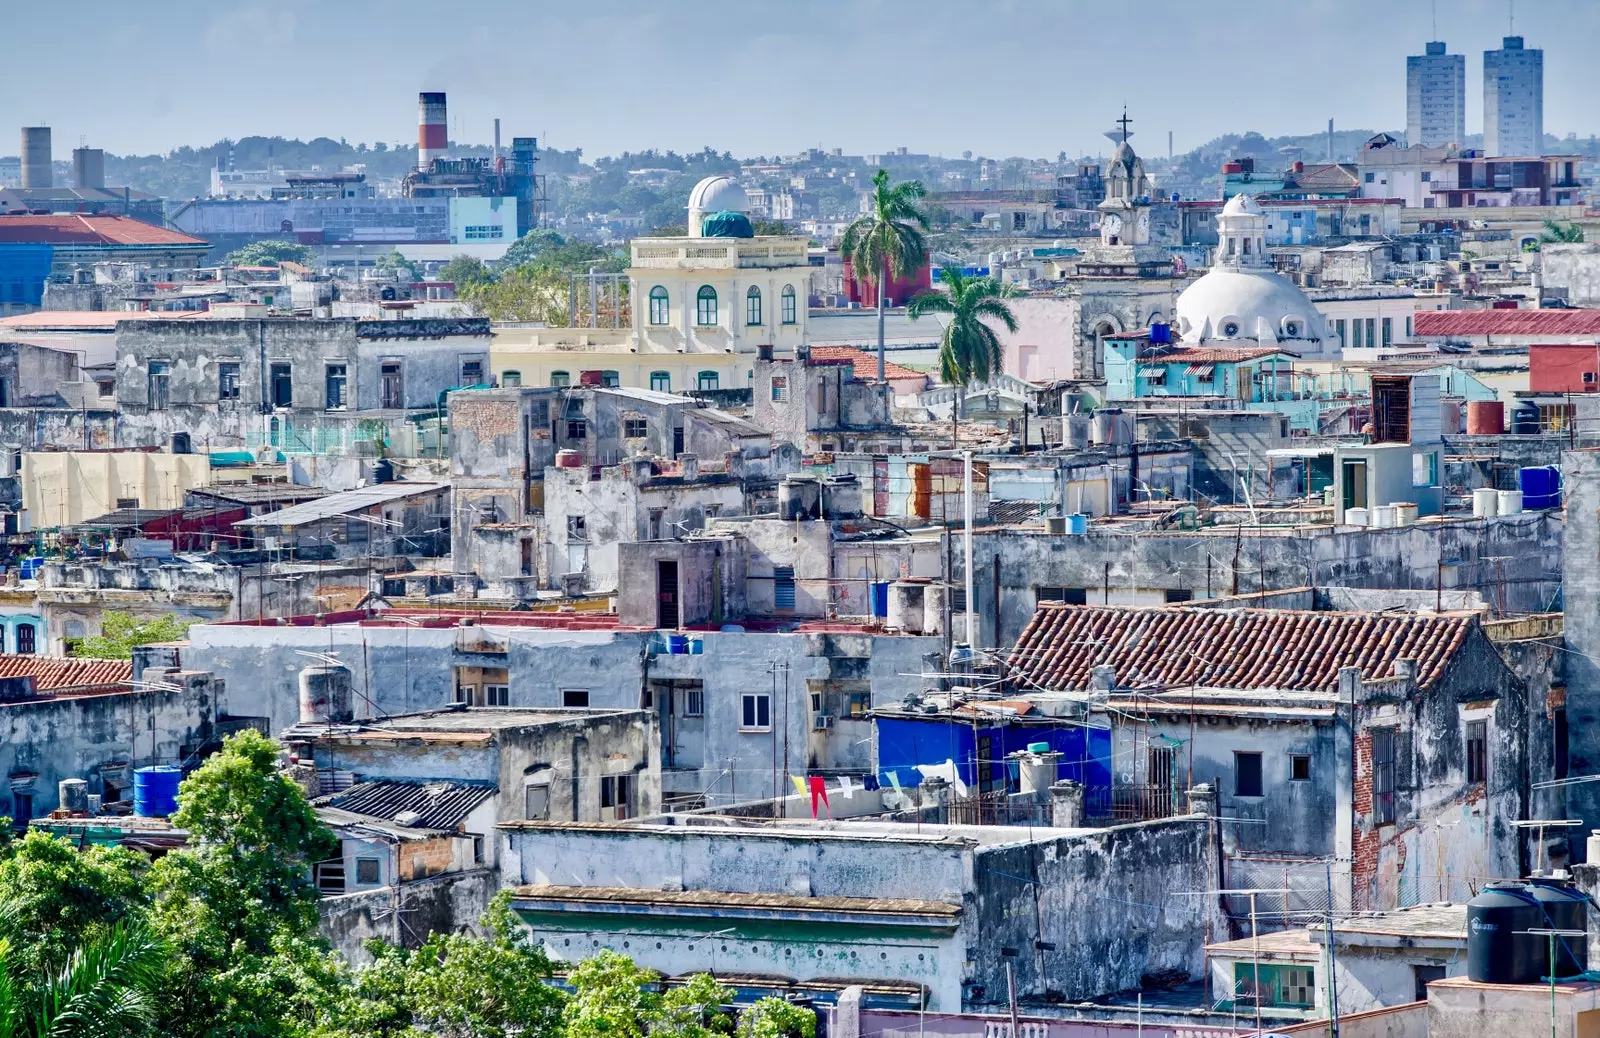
[259, 493]
[1426, 323]
[1228, 648]
[343, 503]
[63, 675]
[416, 805]
[464, 726]
[722, 903]
[866, 364]
[84, 229]
[1218, 355]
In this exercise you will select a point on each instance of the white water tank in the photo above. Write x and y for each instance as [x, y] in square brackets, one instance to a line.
[1510, 502]
[1382, 517]
[1485, 503]
[1355, 517]
[1405, 513]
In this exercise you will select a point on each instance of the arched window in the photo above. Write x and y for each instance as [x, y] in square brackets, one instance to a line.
[708, 380]
[661, 381]
[786, 307]
[510, 379]
[560, 379]
[752, 306]
[705, 306]
[660, 313]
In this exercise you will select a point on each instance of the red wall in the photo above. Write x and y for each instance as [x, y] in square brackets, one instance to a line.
[864, 291]
[1559, 368]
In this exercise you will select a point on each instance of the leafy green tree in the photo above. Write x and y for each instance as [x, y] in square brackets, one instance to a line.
[56, 898]
[528, 248]
[611, 998]
[456, 985]
[693, 1010]
[120, 633]
[764, 228]
[102, 990]
[1556, 234]
[465, 270]
[888, 240]
[969, 349]
[773, 1017]
[395, 265]
[528, 293]
[270, 254]
[239, 908]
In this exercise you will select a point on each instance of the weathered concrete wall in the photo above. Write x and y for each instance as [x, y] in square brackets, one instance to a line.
[1580, 471]
[1230, 461]
[1104, 898]
[1120, 566]
[1572, 272]
[711, 580]
[51, 739]
[448, 903]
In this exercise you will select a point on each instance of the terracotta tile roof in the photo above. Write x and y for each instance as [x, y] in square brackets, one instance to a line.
[1506, 322]
[57, 673]
[85, 229]
[1219, 355]
[1228, 648]
[52, 319]
[866, 364]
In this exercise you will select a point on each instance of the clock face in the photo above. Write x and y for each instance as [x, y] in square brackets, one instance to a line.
[1112, 224]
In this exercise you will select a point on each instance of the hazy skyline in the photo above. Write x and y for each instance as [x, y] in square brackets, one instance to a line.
[754, 77]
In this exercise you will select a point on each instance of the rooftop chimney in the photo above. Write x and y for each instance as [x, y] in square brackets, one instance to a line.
[433, 129]
[36, 169]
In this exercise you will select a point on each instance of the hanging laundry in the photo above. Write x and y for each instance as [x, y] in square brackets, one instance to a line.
[870, 783]
[894, 780]
[947, 771]
[799, 785]
[819, 788]
[847, 789]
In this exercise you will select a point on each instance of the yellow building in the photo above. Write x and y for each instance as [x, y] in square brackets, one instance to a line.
[62, 488]
[701, 306]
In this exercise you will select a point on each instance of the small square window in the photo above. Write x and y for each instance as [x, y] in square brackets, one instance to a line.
[756, 712]
[694, 702]
[367, 871]
[575, 697]
[634, 428]
[1300, 767]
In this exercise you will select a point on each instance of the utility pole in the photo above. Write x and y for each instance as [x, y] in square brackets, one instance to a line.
[1011, 996]
[972, 615]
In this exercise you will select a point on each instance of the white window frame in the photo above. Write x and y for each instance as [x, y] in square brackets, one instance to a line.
[750, 711]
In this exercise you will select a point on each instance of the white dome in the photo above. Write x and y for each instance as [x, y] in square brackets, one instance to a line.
[1247, 306]
[1240, 205]
[718, 194]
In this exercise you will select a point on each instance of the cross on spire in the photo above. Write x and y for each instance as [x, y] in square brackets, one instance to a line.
[1123, 122]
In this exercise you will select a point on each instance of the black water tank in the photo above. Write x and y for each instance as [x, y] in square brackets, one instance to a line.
[383, 471]
[1499, 949]
[1525, 420]
[1565, 908]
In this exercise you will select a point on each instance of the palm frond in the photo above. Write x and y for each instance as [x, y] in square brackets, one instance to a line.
[928, 303]
[996, 310]
[103, 989]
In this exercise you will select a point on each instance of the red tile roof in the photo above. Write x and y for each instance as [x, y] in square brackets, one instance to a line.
[1228, 648]
[866, 364]
[1506, 322]
[1218, 355]
[58, 673]
[85, 229]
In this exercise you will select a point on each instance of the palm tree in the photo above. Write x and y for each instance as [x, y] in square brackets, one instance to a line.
[888, 240]
[969, 349]
[101, 991]
[1555, 234]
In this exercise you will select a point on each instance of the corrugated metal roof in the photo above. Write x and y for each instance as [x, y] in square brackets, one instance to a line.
[56, 673]
[431, 805]
[86, 229]
[260, 493]
[343, 503]
[1228, 648]
[1506, 322]
[1220, 355]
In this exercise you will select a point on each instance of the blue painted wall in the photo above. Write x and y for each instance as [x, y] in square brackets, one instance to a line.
[904, 743]
[23, 270]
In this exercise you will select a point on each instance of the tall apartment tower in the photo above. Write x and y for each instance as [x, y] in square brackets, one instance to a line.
[1513, 100]
[1436, 98]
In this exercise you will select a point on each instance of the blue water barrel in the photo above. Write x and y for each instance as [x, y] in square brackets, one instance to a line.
[155, 790]
[677, 645]
[1077, 522]
[1541, 486]
[30, 566]
[880, 598]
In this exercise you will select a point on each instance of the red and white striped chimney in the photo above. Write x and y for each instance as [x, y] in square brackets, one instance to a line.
[433, 130]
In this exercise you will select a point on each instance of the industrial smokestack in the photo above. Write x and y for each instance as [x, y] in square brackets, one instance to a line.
[36, 169]
[433, 129]
[88, 168]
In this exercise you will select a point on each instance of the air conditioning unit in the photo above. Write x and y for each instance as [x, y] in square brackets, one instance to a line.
[823, 722]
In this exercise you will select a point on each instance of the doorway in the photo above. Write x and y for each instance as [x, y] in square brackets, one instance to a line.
[667, 614]
[1354, 473]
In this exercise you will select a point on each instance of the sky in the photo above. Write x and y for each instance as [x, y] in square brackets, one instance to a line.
[759, 77]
